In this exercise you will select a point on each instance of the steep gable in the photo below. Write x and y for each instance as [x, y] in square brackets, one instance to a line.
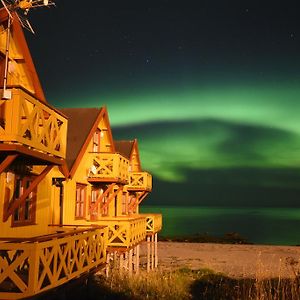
[130, 150]
[21, 70]
[82, 124]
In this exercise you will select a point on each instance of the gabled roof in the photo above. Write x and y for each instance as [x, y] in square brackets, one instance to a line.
[82, 123]
[124, 147]
[129, 149]
[20, 55]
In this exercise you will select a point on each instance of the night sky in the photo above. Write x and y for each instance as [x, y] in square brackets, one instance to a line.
[210, 88]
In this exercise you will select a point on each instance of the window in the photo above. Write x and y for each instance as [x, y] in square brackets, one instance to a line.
[124, 204]
[25, 213]
[80, 201]
[96, 140]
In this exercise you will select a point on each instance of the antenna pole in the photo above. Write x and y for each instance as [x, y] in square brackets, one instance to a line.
[6, 94]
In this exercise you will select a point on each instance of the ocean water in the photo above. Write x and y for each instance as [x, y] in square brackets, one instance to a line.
[274, 226]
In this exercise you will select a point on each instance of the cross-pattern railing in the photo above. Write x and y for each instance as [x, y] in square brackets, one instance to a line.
[109, 166]
[29, 122]
[124, 231]
[140, 181]
[153, 222]
[32, 266]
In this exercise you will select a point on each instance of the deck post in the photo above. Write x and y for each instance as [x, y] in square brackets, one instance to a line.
[137, 259]
[121, 261]
[126, 260]
[148, 253]
[130, 262]
[156, 253]
[33, 270]
[107, 265]
[152, 252]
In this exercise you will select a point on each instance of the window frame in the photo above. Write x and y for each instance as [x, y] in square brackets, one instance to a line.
[26, 212]
[80, 206]
[96, 140]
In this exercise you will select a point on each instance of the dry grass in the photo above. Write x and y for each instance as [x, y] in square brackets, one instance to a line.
[201, 284]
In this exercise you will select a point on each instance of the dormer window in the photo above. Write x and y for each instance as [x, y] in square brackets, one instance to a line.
[96, 140]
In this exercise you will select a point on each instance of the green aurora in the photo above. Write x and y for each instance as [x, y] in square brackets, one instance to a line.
[252, 126]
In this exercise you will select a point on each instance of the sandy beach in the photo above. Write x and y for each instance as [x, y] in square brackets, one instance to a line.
[247, 261]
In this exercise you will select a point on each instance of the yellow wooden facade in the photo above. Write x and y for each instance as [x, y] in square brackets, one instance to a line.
[59, 219]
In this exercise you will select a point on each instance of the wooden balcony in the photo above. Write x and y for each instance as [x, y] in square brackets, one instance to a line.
[153, 222]
[108, 167]
[28, 125]
[31, 266]
[124, 232]
[140, 181]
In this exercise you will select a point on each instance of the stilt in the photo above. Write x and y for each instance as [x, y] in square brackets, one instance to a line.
[152, 252]
[126, 261]
[137, 259]
[130, 262]
[156, 253]
[148, 253]
[121, 262]
[107, 266]
[115, 259]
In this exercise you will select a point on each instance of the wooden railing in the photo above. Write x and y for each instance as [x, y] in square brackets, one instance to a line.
[31, 266]
[124, 231]
[153, 222]
[108, 166]
[29, 122]
[140, 181]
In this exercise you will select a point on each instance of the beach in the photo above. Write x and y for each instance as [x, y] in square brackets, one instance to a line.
[237, 261]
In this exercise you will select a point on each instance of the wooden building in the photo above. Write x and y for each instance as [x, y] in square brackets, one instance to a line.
[69, 194]
[34, 257]
[138, 188]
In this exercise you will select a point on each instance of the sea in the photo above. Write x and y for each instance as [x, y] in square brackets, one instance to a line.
[268, 226]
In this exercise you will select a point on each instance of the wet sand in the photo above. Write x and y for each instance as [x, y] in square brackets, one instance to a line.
[248, 261]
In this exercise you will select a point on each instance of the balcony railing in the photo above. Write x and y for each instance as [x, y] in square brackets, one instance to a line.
[29, 122]
[31, 266]
[153, 222]
[111, 167]
[124, 231]
[140, 181]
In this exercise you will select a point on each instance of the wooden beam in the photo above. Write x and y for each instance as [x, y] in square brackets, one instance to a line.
[15, 204]
[138, 200]
[7, 161]
[32, 154]
[64, 170]
[100, 198]
[112, 197]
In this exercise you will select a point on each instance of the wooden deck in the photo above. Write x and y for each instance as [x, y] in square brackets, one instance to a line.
[31, 266]
[140, 181]
[124, 232]
[153, 223]
[108, 167]
[28, 122]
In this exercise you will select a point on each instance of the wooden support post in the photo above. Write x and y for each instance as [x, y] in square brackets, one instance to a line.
[107, 265]
[137, 259]
[115, 260]
[7, 162]
[148, 253]
[156, 253]
[152, 252]
[130, 262]
[121, 265]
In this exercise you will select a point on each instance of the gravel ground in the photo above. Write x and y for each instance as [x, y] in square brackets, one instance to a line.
[248, 261]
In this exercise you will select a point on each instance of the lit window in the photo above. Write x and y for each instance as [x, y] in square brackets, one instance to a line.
[80, 201]
[96, 141]
[25, 213]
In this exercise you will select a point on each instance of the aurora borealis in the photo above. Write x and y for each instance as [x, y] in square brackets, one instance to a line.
[210, 89]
